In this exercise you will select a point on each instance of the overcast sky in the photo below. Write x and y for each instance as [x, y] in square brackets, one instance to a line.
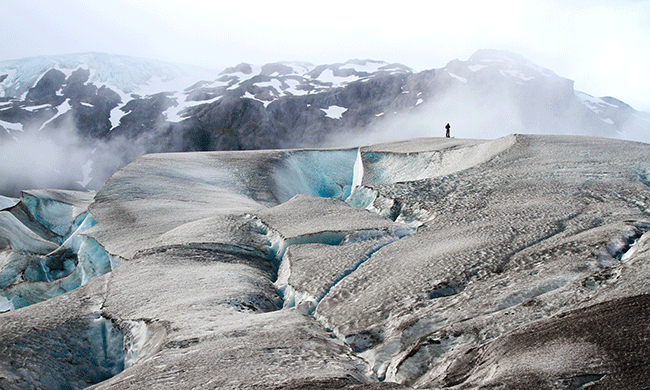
[604, 45]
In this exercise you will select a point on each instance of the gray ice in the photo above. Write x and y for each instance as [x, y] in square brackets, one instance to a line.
[520, 262]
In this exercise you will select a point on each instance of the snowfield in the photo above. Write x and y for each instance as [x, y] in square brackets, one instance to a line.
[520, 262]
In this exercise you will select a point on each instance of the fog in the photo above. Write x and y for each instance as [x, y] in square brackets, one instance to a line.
[479, 115]
[467, 116]
[32, 160]
[61, 158]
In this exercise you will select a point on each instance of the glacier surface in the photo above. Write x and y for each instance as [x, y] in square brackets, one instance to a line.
[520, 262]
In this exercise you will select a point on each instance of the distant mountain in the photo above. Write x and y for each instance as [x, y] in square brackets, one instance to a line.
[71, 121]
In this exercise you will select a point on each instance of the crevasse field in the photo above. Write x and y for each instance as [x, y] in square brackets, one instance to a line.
[520, 262]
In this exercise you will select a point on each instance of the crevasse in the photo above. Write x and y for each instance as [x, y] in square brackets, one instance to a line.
[77, 261]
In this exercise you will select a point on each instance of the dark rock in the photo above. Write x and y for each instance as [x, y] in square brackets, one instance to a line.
[45, 90]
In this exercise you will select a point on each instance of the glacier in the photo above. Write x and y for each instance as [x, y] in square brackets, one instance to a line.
[519, 262]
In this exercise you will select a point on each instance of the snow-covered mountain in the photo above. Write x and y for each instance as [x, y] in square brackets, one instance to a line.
[122, 74]
[515, 263]
[71, 121]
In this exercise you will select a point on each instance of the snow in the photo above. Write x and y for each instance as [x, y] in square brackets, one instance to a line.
[123, 74]
[420, 101]
[461, 79]
[327, 76]
[300, 68]
[173, 113]
[116, 115]
[608, 121]
[517, 74]
[293, 88]
[6, 83]
[380, 114]
[540, 70]
[11, 126]
[584, 97]
[334, 112]
[241, 77]
[39, 107]
[495, 57]
[367, 66]
[249, 95]
[477, 67]
[216, 84]
[87, 104]
[274, 84]
[61, 109]
[596, 104]
[86, 169]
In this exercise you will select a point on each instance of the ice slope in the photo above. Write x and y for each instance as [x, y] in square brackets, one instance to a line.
[465, 265]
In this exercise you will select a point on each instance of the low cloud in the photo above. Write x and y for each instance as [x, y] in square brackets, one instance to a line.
[469, 115]
[61, 158]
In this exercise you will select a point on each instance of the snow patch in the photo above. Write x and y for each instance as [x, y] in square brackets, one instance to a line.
[275, 85]
[174, 113]
[364, 66]
[334, 112]
[327, 76]
[457, 77]
[36, 108]
[596, 104]
[11, 126]
[477, 67]
[86, 169]
[61, 109]
[293, 88]
[516, 74]
[116, 115]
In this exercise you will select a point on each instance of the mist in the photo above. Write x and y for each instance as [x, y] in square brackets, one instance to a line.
[470, 116]
[63, 159]
[487, 114]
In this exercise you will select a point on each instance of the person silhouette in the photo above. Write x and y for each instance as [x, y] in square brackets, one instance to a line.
[447, 132]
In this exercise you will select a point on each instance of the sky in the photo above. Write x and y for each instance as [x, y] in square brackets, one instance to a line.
[603, 45]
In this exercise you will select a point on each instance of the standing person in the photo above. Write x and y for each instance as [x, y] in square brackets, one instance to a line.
[447, 132]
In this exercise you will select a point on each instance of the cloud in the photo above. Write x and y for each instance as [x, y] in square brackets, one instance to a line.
[37, 160]
[470, 116]
[60, 158]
